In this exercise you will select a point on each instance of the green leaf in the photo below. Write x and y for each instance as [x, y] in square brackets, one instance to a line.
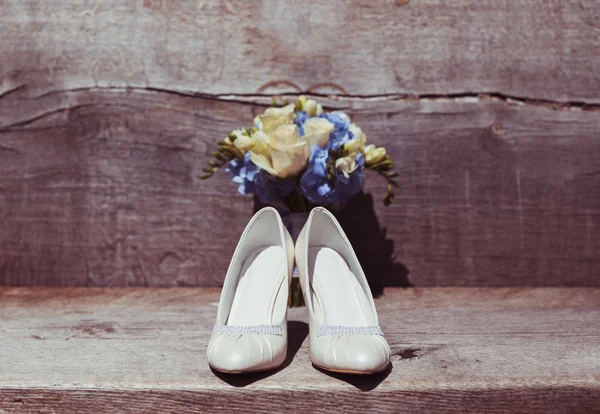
[220, 156]
[387, 201]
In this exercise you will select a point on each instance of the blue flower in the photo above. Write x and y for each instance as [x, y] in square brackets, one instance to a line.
[319, 189]
[301, 118]
[271, 189]
[348, 186]
[341, 133]
[314, 183]
[360, 161]
[244, 173]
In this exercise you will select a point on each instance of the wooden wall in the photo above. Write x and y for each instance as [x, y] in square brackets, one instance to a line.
[109, 110]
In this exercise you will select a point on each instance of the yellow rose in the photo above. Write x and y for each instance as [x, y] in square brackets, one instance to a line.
[281, 152]
[346, 164]
[317, 130]
[374, 155]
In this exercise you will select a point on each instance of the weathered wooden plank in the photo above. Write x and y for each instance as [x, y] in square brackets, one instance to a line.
[547, 400]
[99, 188]
[538, 49]
[455, 350]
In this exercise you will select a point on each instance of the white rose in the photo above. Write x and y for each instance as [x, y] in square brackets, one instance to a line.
[281, 152]
[317, 130]
[273, 118]
[287, 110]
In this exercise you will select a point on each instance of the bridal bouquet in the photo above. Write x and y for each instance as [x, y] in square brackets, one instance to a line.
[298, 156]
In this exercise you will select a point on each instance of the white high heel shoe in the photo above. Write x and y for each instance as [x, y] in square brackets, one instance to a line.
[344, 328]
[250, 332]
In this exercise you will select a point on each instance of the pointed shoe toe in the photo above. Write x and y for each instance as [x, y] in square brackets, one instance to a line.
[244, 353]
[352, 354]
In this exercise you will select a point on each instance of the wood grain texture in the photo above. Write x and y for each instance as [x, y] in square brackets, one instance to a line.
[455, 350]
[538, 49]
[108, 111]
[98, 187]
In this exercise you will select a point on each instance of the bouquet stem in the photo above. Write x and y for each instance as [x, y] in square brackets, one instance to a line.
[296, 298]
[298, 207]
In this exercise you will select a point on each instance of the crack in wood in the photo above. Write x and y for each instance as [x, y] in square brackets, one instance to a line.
[11, 90]
[247, 98]
[29, 121]
[510, 99]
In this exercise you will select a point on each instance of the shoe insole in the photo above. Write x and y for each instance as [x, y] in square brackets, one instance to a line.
[257, 293]
[337, 295]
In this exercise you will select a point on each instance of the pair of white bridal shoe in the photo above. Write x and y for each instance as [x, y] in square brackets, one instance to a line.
[250, 332]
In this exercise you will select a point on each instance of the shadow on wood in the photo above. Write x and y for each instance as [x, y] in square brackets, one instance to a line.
[362, 382]
[374, 250]
[297, 333]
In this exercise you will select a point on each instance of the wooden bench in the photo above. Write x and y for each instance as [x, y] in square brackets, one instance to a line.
[460, 350]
